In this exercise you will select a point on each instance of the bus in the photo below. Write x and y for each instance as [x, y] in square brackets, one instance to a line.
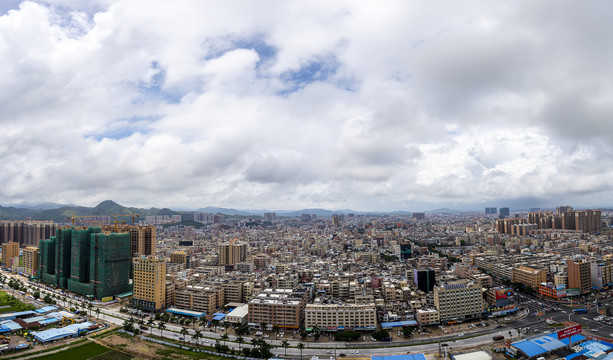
[580, 311]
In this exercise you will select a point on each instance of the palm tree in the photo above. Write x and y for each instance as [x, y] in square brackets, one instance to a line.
[224, 337]
[263, 325]
[98, 312]
[184, 332]
[203, 322]
[285, 344]
[150, 324]
[275, 329]
[197, 336]
[161, 326]
[300, 347]
[239, 340]
[194, 321]
[141, 323]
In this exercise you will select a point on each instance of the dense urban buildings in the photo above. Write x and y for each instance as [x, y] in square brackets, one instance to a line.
[338, 272]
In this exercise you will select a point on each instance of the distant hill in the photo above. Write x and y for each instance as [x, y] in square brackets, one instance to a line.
[226, 211]
[61, 214]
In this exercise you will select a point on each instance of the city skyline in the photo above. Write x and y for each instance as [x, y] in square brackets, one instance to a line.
[367, 106]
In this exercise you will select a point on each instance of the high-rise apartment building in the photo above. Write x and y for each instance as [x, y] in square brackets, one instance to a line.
[504, 212]
[27, 233]
[232, 252]
[271, 216]
[563, 209]
[30, 261]
[149, 282]
[491, 211]
[419, 215]
[458, 300]
[568, 219]
[10, 251]
[579, 277]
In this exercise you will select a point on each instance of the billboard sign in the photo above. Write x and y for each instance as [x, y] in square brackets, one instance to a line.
[569, 331]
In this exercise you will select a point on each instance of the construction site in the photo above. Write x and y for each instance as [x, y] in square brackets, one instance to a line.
[87, 261]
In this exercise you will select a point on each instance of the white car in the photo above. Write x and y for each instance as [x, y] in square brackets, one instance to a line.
[355, 352]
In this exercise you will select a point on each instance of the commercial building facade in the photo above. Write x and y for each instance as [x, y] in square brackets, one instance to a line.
[276, 309]
[30, 261]
[458, 300]
[529, 276]
[579, 277]
[149, 282]
[341, 316]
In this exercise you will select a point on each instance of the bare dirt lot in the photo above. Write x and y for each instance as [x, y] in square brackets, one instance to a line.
[140, 349]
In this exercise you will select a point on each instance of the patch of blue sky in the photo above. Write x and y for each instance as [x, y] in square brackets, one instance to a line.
[126, 128]
[313, 71]
[8, 5]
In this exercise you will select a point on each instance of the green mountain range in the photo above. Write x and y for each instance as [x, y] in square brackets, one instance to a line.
[62, 214]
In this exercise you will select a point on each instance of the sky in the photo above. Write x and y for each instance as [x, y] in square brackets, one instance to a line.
[364, 105]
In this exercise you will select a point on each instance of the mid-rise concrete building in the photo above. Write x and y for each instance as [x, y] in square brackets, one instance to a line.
[529, 276]
[579, 277]
[10, 251]
[425, 317]
[200, 298]
[179, 257]
[458, 300]
[282, 310]
[601, 274]
[341, 316]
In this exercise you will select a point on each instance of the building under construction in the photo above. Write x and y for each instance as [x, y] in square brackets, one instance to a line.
[86, 261]
[142, 238]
